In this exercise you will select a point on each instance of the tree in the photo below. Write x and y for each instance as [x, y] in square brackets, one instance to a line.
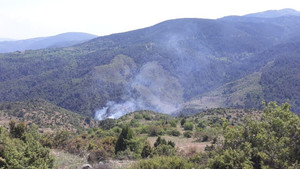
[182, 121]
[18, 130]
[147, 150]
[124, 137]
[272, 142]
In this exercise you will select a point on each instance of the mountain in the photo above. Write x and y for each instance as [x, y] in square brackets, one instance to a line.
[61, 40]
[6, 39]
[275, 13]
[181, 65]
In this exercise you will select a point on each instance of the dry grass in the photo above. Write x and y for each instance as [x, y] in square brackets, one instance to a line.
[65, 160]
[185, 145]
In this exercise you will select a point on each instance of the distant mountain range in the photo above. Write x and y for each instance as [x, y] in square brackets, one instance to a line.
[181, 65]
[275, 13]
[61, 40]
[6, 39]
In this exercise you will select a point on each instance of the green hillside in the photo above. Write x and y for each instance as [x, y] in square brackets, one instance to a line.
[160, 68]
[44, 114]
[215, 138]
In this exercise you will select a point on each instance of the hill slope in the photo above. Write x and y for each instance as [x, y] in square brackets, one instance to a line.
[61, 40]
[160, 68]
[44, 114]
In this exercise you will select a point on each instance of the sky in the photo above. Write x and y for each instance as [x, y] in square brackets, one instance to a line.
[23, 19]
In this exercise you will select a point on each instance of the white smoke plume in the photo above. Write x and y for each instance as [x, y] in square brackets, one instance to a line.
[155, 90]
[115, 110]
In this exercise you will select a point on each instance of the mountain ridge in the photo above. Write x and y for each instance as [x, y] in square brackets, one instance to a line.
[275, 13]
[60, 40]
[194, 55]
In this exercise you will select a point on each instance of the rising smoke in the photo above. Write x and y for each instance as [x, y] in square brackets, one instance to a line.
[154, 89]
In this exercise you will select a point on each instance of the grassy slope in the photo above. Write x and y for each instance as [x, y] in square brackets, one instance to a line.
[44, 114]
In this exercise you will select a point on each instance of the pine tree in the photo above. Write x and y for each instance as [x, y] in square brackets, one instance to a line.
[147, 150]
[125, 136]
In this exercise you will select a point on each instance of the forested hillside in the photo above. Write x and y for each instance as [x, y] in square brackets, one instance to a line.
[182, 64]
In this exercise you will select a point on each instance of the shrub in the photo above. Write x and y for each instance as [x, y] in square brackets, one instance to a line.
[164, 150]
[171, 143]
[173, 123]
[201, 124]
[97, 155]
[138, 116]
[205, 138]
[25, 152]
[147, 116]
[270, 143]
[159, 141]
[188, 134]
[188, 126]
[163, 162]
[127, 155]
[174, 133]
[207, 134]
[153, 130]
[147, 150]
[182, 121]
[209, 148]
[18, 130]
[134, 123]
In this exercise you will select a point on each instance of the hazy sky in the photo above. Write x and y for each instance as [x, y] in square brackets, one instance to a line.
[20, 19]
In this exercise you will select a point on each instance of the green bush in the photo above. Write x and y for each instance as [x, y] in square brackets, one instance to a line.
[147, 150]
[138, 116]
[162, 147]
[164, 150]
[127, 155]
[173, 162]
[182, 121]
[173, 123]
[201, 124]
[134, 123]
[25, 152]
[270, 143]
[188, 126]
[147, 116]
[188, 134]
[159, 141]
[174, 133]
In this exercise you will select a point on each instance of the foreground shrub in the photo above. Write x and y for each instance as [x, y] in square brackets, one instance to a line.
[165, 150]
[188, 126]
[127, 155]
[270, 143]
[24, 152]
[163, 162]
[174, 132]
[147, 150]
[188, 134]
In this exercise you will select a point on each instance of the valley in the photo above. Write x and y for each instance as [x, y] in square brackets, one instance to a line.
[183, 93]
